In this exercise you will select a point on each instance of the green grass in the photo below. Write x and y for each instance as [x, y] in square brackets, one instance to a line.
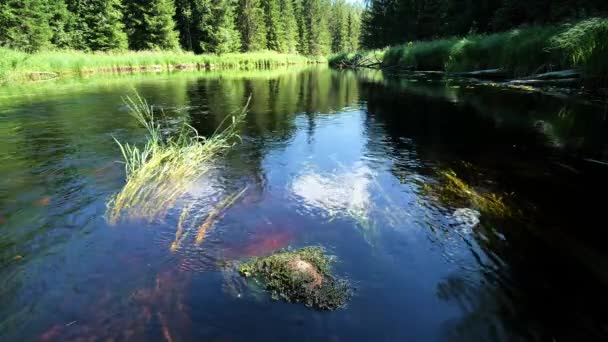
[15, 65]
[160, 172]
[524, 51]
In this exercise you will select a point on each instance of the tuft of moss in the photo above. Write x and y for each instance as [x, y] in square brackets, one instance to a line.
[300, 276]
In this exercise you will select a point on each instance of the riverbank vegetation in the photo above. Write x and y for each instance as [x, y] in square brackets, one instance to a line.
[159, 173]
[16, 65]
[505, 38]
[519, 52]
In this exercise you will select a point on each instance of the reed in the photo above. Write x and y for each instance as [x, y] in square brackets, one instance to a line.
[160, 172]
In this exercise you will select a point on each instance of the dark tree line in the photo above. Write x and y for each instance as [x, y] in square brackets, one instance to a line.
[387, 22]
[214, 26]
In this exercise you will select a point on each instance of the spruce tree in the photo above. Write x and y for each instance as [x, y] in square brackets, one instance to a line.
[289, 42]
[149, 24]
[222, 36]
[300, 11]
[339, 26]
[62, 24]
[184, 23]
[274, 24]
[98, 25]
[354, 28]
[316, 15]
[252, 25]
[24, 24]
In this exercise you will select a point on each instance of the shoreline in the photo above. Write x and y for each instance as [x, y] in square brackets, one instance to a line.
[18, 67]
[527, 55]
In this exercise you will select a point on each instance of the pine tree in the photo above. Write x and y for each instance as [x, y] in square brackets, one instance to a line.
[149, 24]
[222, 36]
[184, 23]
[98, 25]
[62, 24]
[300, 11]
[430, 19]
[339, 26]
[24, 24]
[274, 24]
[289, 42]
[353, 28]
[201, 20]
[252, 25]
[316, 16]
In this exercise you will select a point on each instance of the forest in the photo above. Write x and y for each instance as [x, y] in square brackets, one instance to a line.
[389, 22]
[309, 27]
[519, 37]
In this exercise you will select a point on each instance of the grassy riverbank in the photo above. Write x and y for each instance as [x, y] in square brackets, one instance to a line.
[520, 52]
[19, 66]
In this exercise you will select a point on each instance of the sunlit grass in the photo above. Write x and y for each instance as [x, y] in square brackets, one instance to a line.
[159, 173]
[16, 65]
[520, 52]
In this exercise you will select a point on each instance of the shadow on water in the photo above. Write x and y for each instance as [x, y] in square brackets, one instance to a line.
[338, 159]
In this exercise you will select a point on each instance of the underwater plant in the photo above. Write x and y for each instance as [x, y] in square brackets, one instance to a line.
[214, 215]
[452, 190]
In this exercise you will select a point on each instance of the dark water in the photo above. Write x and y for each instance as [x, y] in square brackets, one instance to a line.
[329, 158]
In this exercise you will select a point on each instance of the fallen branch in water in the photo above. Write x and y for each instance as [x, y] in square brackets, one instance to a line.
[53, 75]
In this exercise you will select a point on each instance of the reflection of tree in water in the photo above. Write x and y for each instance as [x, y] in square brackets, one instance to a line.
[276, 100]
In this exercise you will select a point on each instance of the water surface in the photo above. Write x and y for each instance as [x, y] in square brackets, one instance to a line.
[330, 158]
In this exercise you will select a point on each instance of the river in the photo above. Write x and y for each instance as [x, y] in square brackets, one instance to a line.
[350, 161]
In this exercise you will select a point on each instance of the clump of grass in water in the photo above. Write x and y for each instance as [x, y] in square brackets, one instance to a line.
[300, 276]
[453, 190]
[159, 173]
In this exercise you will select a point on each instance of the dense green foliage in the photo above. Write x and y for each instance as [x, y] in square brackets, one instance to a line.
[582, 45]
[150, 24]
[389, 22]
[200, 26]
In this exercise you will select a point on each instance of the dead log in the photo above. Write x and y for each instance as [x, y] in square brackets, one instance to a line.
[484, 74]
[548, 82]
[555, 75]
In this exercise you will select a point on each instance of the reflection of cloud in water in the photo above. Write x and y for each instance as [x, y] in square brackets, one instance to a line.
[346, 193]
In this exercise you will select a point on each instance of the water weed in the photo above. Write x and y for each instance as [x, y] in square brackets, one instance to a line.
[159, 173]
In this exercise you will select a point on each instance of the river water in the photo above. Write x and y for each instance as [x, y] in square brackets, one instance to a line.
[343, 160]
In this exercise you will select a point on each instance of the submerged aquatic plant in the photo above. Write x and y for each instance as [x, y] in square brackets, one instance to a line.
[453, 190]
[216, 213]
[300, 276]
[159, 173]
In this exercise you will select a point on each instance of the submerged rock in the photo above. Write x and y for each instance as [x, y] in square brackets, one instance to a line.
[299, 276]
